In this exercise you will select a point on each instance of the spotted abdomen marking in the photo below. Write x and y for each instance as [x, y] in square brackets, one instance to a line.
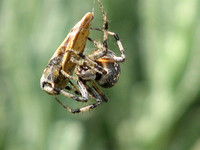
[113, 71]
[110, 79]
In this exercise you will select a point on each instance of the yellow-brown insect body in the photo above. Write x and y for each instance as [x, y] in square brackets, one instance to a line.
[52, 79]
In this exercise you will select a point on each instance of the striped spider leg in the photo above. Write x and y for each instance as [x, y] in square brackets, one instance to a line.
[94, 92]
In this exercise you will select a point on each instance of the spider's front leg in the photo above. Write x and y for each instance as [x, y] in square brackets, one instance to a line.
[102, 48]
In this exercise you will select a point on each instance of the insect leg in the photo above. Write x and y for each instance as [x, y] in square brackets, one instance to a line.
[68, 75]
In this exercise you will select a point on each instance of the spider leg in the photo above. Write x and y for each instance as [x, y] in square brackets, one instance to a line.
[103, 47]
[104, 97]
[98, 45]
[72, 90]
[123, 57]
[76, 90]
[76, 110]
[96, 95]
[82, 88]
[101, 53]
[105, 27]
[66, 107]
[92, 63]
[93, 92]
[77, 98]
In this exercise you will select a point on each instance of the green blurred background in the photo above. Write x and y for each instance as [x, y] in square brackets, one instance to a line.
[154, 106]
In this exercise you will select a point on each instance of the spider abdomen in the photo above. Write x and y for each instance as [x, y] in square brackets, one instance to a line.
[110, 79]
[113, 70]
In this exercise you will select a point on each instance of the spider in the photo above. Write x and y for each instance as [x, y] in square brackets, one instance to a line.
[100, 64]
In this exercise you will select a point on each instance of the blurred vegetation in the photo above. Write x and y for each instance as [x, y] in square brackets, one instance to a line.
[154, 106]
